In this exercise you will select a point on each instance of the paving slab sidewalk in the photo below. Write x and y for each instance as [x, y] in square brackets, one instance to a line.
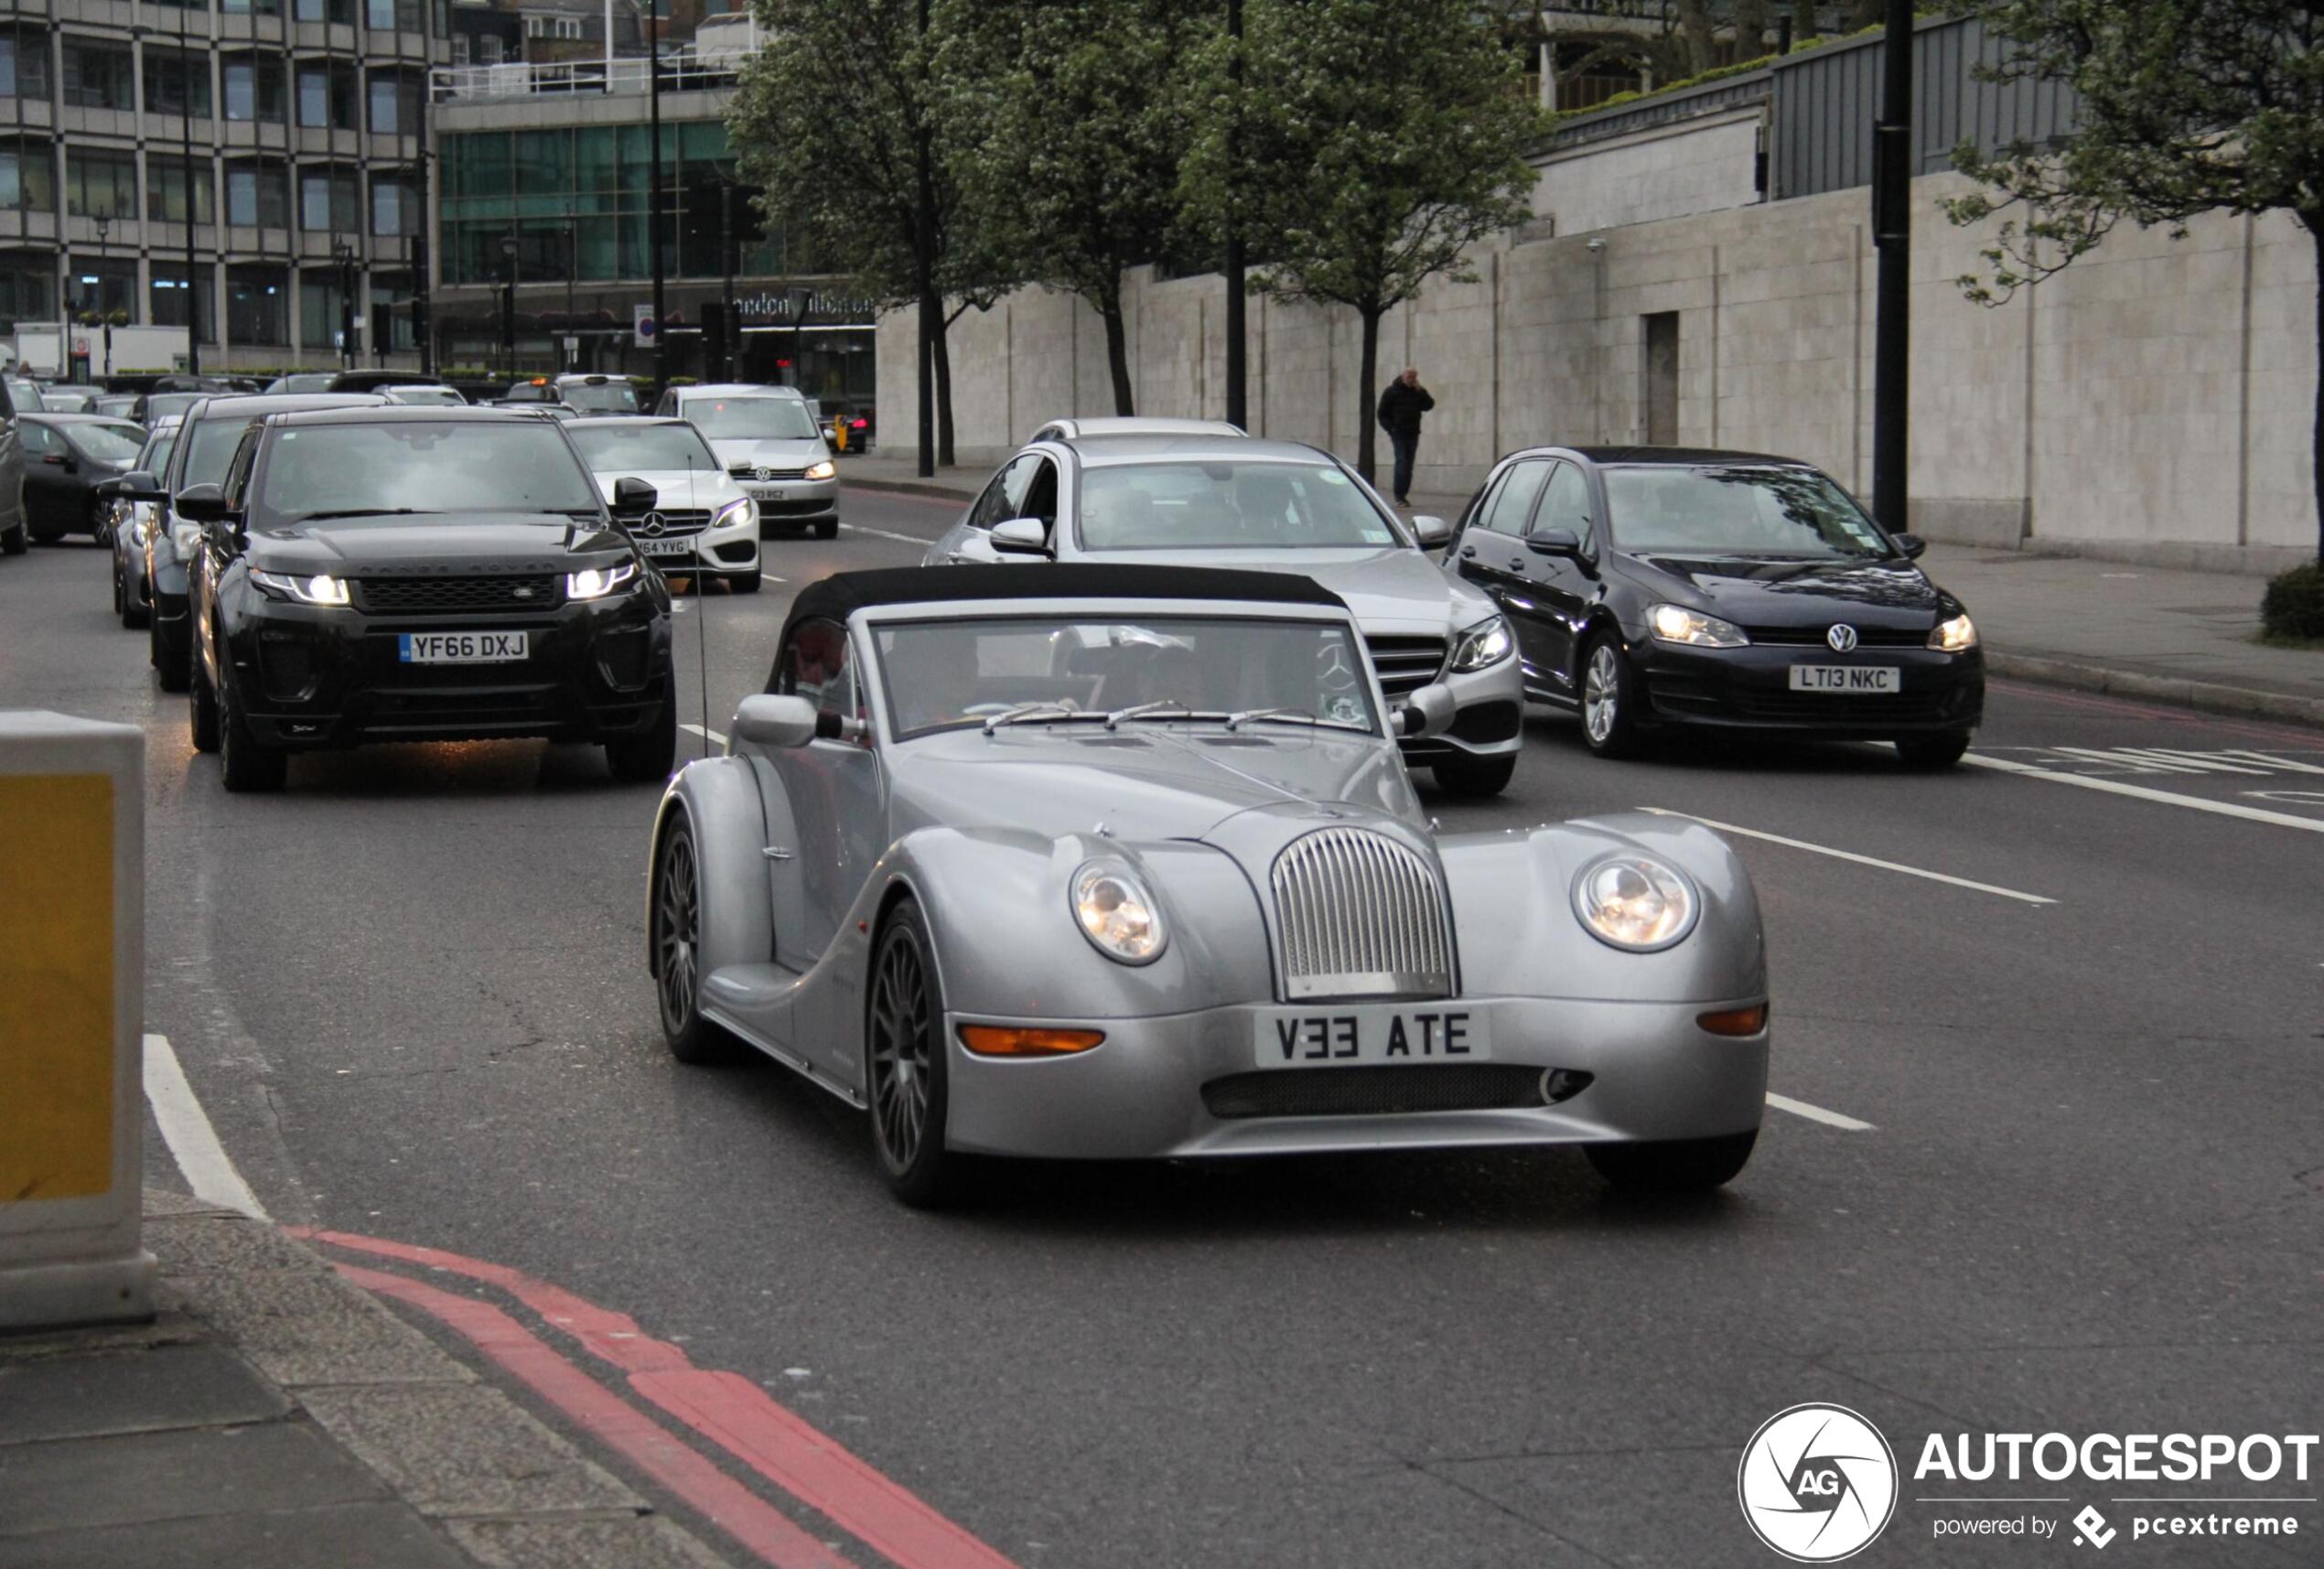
[2168, 636]
[274, 1415]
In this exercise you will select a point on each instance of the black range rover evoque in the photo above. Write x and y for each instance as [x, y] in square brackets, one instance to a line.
[401, 574]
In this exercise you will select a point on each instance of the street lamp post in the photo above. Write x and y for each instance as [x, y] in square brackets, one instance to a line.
[1892, 291]
[799, 298]
[571, 280]
[104, 227]
[344, 254]
[731, 339]
[186, 133]
[508, 304]
[653, 97]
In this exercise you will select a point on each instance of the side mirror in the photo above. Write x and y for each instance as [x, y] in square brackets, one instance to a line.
[1022, 536]
[1434, 534]
[1554, 541]
[1911, 545]
[135, 485]
[766, 720]
[201, 504]
[1427, 711]
[633, 498]
[57, 459]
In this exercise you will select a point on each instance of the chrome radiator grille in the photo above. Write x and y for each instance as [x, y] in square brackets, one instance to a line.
[1357, 914]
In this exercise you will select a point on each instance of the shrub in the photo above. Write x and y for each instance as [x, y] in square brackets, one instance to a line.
[2294, 604]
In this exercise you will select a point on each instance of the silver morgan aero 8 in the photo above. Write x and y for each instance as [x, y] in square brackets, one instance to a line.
[1082, 861]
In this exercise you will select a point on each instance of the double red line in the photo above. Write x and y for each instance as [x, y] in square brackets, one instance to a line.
[724, 1408]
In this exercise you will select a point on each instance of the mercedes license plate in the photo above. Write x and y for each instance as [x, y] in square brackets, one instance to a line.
[1846, 678]
[460, 648]
[660, 548]
[1326, 1037]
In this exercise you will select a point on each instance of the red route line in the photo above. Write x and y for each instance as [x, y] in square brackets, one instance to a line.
[732, 1412]
[735, 1508]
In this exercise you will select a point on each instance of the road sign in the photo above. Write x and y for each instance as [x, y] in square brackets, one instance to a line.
[642, 322]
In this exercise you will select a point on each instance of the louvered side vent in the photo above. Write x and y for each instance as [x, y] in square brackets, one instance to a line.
[1358, 915]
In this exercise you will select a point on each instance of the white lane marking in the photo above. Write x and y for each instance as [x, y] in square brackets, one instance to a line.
[1816, 1113]
[713, 736]
[884, 534]
[193, 1143]
[2140, 792]
[1852, 855]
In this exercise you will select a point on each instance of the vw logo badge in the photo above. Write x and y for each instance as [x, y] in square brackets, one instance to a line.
[765, 472]
[653, 525]
[1842, 637]
[1817, 1483]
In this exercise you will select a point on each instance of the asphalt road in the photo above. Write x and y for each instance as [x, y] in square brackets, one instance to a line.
[2074, 1182]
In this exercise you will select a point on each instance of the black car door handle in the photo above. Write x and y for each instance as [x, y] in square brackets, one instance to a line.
[1467, 553]
[1516, 564]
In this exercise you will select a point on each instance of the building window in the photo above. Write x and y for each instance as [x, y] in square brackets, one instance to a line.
[252, 8]
[257, 309]
[318, 307]
[327, 97]
[98, 76]
[255, 90]
[258, 196]
[401, 16]
[327, 202]
[398, 104]
[169, 295]
[169, 77]
[27, 286]
[341, 11]
[24, 63]
[395, 207]
[99, 286]
[165, 190]
[100, 184]
[27, 177]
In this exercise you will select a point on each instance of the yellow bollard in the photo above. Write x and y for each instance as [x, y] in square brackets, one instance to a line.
[72, 912]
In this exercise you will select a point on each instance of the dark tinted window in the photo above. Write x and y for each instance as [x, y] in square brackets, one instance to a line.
[1566, 506]
[1512, 502]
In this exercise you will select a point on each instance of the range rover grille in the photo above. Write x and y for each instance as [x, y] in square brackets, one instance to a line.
[454, 596]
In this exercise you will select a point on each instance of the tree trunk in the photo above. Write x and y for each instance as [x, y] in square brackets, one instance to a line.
[1803, 23]
[1699, 34]
[943, 358]
[1368, 392]
[1117, 350]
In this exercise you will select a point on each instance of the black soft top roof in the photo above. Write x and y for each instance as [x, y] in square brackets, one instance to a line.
[843, 593]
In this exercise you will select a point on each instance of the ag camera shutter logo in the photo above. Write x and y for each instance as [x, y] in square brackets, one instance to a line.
[1817, 1483]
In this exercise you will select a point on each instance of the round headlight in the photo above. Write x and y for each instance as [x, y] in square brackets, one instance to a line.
[1118, 914]
[1635, 902]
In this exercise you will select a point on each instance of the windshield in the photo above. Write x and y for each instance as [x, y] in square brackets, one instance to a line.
[743, 419]
[433, 396]
[641, 448]
[1794, 512]
[302, 381]
[109, 442]
[212, 450]
[163, 404]
[948, 674]
[154, 459]
[497, 466]
[1226, 506]
[25, 398]
[606, 398]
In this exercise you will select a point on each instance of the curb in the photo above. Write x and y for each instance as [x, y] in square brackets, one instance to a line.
[2204, 696]
[907, 488]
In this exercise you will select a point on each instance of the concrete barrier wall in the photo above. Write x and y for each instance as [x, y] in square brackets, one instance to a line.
[2152, 401]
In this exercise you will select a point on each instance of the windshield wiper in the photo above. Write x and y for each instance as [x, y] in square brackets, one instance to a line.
[365, 512]
[1035, 713]
[1156, 709]
[1288, 716]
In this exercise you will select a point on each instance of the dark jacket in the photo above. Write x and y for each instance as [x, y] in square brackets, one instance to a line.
[1401, 408]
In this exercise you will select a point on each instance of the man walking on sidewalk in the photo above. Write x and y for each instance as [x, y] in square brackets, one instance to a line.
[1401, 407]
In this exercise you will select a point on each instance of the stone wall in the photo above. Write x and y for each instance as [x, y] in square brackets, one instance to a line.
[1703, 165]
[2152, 401]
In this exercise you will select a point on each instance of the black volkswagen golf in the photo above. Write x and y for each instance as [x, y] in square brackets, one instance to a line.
[392, 574]
[1652, 588]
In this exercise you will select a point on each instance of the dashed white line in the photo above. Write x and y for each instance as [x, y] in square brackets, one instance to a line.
[713, 736]
[1860, 860]
[2141, 793]
[883, 534]
[193, 1143]
[1817, 1113]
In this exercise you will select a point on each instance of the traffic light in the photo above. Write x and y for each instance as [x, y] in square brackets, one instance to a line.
[713, 342]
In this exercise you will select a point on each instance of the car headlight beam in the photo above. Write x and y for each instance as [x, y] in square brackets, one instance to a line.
[1957, 636]
[1483, 645]
[1118, 914]
[596, 582]
[742, 509]
[1677, 624]
[1635, 902]
[821, 470]
[321, 588]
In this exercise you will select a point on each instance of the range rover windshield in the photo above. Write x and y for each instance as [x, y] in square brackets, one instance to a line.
[478, 466]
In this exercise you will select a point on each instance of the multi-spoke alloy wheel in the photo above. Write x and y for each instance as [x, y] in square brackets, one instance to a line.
[904, 1049]
[677, 951]
[1607, 724]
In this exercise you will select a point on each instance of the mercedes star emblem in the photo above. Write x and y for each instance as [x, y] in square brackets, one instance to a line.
[653, 526]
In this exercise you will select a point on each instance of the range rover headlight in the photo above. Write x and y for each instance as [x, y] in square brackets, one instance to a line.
[1486, 643]
[320, 589]
[742, 509]
[1118, 914]
[1677, 624]
[1956, 636]
[596, 582]
[822, 471]
[1635, 902]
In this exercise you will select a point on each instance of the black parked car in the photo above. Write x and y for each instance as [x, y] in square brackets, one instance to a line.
[422, 573]
[1654, 587]
[66, 456]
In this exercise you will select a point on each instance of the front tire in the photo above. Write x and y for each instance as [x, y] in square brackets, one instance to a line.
[1929, 753]
[828, 528]
[648, 757]
[907, 1078]
[747, 581]
[203, 707]
[172, 664]
[1609, 699]
[1674, 1166]
[17, 541]
[248, 767]
[677, 954]
[1475, 778]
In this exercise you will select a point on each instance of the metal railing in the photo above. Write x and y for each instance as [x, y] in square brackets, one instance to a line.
[687, 70]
